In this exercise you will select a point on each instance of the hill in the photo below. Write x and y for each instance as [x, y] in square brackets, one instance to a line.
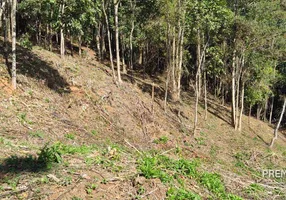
[69, 132]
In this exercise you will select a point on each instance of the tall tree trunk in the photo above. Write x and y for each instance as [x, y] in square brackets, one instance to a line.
[205, 92]
[8, 20]
[132, 4]
[278, 125]
[116, 5]
[71, 45]
[2, 7]
[98, 41]
[180, 64]
[5, 32]
[62, 31]
[233, 90]
[109, 40]
[222, 95]
[271, 110]
[258, 112]
[13, 20]
[79, 45]
[140, 61]
[249, 114]
[241, 107]
[103, 36]
[174, 62]
[124, 70]
[197, 84]
[198, 62]
[265, 110]
[166, 90]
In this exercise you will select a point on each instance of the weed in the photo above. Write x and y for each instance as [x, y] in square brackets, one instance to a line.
[70, 136]
[157, 167]
[181, 194]
[47, 100]
[213, 151]
[44, 179]
[67, 181]
[49, 155]
[23, 119]
[38, 134]
[200, 141]
[161, 140]
[213, 183]
[76, 198]
[94, 132]
[254, 188]
[90, 187]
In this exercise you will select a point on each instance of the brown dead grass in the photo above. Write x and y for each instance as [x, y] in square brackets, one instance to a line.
[118, 113]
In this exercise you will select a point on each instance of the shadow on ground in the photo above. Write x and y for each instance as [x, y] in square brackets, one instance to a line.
[31, 65]
[15, 164]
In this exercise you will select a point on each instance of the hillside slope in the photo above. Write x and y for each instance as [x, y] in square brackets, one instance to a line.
[69, 132]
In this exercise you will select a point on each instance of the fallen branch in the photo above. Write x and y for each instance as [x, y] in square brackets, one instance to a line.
[133, 147]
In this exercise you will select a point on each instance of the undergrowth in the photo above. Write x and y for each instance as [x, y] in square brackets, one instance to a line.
[172, 173]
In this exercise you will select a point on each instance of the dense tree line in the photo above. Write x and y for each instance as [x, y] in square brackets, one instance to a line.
[233, 49]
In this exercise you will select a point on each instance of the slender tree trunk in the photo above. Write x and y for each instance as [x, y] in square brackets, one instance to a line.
[40, 32]
[2, 13]
[131, 33]
[62, 32]
[124, 70]
[222, 95]
[116, 5]
[174, 61]
[271, 110]
[8, 20]
[109, 41]
[249, 114]
[278, 125]
[166, 90]
[265, 110]
[13, 20]
[241, 108]
[103, 36]
[79, 45]
[198, 62]
[71, 45]
[140, 61]
[180, 64]
[205, 92]
[258, 113]
[5, 32]
[233, 90]
[98, 42]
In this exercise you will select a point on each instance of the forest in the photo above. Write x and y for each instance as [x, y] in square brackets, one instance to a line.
[231, 52]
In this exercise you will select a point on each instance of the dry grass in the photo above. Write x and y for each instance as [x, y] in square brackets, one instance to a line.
[88, 106]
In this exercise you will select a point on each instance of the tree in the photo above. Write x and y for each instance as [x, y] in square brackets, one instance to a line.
[13, 22]
[116, 5]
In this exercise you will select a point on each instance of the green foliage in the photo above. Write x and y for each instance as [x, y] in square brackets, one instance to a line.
[161, 140]
[253, 188]
[157, 167]
[37, 133]
[76, 198]
[181, 194]
[70, 136]
[50, 155]
[213, 183]
[25, 41]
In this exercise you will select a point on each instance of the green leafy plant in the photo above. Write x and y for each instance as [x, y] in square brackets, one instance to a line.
[38, 134]
[181, 194]
[161, 140]
[70, 136]
[25, 41]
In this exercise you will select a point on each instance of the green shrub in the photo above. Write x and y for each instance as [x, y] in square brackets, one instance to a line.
[25, 41]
